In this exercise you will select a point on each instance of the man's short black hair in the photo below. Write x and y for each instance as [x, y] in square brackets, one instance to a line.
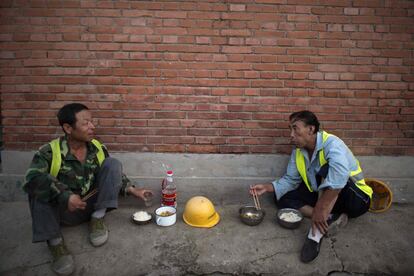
[308, 117]
[67, 114]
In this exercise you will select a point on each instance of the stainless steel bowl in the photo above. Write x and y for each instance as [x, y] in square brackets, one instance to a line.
[250, 215]
[289, 224]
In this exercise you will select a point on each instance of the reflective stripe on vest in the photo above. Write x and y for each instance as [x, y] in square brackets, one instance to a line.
[356, 176]
[57, 158]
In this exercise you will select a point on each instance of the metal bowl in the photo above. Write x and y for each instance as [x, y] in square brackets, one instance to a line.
[141, 222]
[289, 224]
[250, 215]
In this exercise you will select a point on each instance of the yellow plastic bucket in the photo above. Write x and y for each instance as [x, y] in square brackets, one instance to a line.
[381, 195]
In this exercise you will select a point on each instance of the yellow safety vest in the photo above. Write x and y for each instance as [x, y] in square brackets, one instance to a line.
[356, 176]
[57, 157]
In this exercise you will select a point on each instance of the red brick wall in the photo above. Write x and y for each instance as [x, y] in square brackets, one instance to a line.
[210, 76]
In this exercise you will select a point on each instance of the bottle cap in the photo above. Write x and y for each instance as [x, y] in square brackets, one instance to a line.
[170, 172]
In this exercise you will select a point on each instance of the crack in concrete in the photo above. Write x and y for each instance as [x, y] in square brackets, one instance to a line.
[190, 272]
[340, 273]
[222, 273]
[332, 243]
[270, 256]
[333, 272]
[275, 238]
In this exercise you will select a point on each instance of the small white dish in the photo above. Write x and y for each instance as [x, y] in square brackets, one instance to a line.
[141, 217]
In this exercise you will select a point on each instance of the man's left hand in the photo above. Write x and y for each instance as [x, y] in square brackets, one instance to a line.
[322, 210]
[319, 220]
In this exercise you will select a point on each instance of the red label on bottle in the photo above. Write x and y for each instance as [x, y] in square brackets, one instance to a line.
[168, 198]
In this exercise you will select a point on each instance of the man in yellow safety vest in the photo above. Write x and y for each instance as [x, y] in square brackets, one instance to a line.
[323, 181]
[61, 179]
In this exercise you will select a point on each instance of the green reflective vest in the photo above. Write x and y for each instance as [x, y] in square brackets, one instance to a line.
[356, 176]
[57, 157]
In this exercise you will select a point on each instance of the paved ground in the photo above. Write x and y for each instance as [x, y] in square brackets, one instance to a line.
[375, 244]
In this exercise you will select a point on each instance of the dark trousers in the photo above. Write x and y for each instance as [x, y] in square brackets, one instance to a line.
[351, 200]
[48, 217]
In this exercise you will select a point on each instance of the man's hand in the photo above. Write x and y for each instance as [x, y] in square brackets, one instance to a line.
[261, 188]
[137, 192]
[75, 203]
[322, 210]
[319, 220]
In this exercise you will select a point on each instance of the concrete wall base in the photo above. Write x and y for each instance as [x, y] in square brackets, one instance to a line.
[222, 178]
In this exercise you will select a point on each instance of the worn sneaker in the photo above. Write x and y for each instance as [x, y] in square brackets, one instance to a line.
[62, 259]
[310, 250]
[337, 222]
[98, 233]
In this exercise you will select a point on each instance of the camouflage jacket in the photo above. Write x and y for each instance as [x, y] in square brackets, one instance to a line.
[73, 177]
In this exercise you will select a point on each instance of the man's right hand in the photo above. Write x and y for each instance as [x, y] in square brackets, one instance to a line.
[139, 192]
[261, 188]
[75, 203]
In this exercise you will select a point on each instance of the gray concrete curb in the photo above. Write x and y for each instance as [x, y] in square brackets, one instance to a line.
[218, 176]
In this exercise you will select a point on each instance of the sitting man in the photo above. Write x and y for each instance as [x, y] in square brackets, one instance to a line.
[61, 182]
[323, 181]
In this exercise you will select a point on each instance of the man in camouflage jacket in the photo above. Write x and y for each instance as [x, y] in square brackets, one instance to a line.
[60, 199]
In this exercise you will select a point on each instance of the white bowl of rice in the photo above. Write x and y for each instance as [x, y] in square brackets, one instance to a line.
[141, 217]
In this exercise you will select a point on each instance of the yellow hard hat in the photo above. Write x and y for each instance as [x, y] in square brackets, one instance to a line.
[381, 195]
[200, 212]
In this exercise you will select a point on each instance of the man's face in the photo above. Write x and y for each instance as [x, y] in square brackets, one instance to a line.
[301, 134]
[84, 128]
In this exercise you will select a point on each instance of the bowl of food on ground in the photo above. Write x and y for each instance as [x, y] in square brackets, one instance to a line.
[250, 215]
[289, 218]
[141, 217]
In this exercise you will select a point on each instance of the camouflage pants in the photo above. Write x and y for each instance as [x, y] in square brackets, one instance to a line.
[47, 218]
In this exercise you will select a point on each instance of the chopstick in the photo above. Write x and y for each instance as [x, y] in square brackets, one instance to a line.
[91, 193]
[255, 199]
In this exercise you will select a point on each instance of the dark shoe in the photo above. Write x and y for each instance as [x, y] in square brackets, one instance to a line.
[62, 259]
[310, 250]
[98, 233]
[335, 224]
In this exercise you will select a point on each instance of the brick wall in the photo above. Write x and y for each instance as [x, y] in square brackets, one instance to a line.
[210, 76]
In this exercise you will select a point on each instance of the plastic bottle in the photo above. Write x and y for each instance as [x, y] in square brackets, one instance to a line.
[169, 191]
